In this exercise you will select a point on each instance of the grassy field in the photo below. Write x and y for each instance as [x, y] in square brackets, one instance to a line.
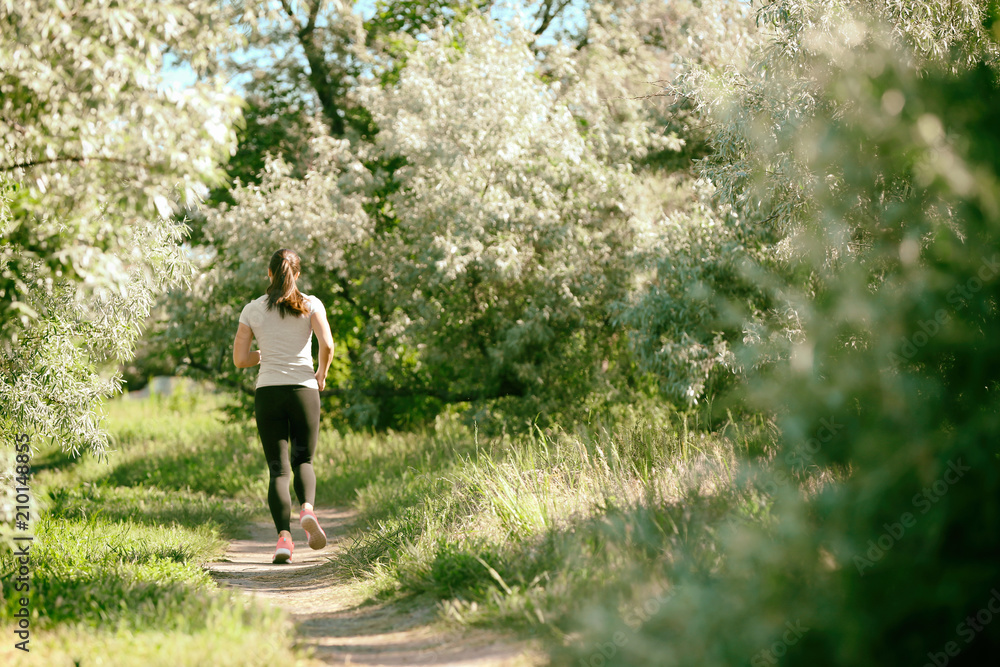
[116, 561]
[541, 533]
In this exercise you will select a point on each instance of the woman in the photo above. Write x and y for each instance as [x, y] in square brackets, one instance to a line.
[286, 400]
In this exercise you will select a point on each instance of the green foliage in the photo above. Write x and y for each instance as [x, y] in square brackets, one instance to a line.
[96, 155]
[873, 151]
[91, 139]
[120, 567]
[276, 122]
[470, 253]
[676, 331]
[414, 17]
[500, 272]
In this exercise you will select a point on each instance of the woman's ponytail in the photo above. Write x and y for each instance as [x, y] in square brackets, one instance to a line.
[282, 292]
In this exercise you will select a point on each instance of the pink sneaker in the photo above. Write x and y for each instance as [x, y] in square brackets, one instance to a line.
[310, 524]
[283, 552]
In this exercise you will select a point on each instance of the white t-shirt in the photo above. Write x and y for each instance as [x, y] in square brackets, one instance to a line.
[285, 343]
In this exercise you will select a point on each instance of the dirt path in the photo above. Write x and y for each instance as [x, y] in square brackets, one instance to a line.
[333, 619]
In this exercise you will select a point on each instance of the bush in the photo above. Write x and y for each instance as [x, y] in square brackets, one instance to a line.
[892, 284]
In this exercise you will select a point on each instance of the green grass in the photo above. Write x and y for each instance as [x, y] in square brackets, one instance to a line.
[522, 531]
[117, 573]
[573, 535]
[526, 532]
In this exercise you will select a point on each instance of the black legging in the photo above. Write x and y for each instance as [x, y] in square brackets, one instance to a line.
[288, 419]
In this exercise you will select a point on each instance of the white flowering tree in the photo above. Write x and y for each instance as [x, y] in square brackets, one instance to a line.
[686, 246]
[512, 231]
[96, 155]
[481, 266]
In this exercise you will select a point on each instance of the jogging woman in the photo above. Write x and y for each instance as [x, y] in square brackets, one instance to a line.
[286, 400]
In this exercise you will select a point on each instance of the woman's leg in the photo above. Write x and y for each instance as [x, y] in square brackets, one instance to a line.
[304, 425]
[303, 417]
[270, 407]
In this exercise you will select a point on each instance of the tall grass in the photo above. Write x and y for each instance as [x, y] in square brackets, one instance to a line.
[522, 530]
[548, 532]
[117, 573]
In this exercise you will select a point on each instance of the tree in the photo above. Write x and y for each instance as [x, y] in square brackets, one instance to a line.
[691, 247]
[482, 265]
[96, 153]
[605, 74]
[887, 150]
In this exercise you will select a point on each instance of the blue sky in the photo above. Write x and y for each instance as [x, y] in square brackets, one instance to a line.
[180, 75]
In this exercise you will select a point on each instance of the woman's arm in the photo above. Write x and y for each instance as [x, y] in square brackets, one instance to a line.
[321, 328]
[242, 356]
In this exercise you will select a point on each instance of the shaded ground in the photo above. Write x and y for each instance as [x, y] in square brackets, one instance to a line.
[333, 619]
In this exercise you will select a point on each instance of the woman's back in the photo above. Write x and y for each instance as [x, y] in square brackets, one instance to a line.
[285, 343]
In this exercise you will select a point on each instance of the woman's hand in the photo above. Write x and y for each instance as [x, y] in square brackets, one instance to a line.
[321, 328]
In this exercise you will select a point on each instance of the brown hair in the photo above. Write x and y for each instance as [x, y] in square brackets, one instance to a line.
[282, 291]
